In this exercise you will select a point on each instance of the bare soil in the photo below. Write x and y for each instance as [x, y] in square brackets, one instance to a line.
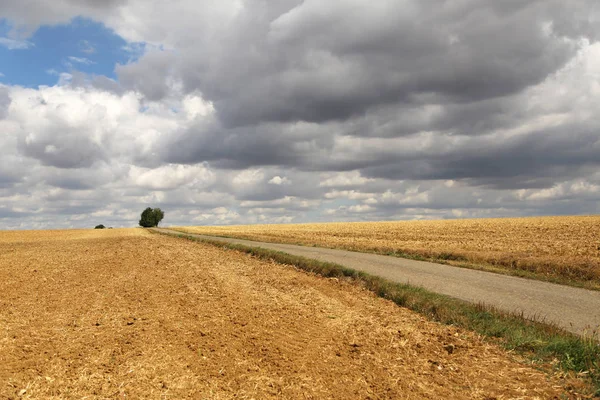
[128, 314]
[572, 309]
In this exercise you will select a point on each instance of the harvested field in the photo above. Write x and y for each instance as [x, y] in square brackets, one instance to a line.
[563, 248]
[123, 313]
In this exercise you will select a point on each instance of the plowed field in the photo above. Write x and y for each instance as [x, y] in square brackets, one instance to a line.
[128, 314]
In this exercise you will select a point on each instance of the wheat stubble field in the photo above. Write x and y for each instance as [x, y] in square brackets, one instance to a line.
[127, 314]
[564, 248]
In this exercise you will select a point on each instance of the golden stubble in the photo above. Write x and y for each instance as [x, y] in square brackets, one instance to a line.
[567, 247]
[126, 314]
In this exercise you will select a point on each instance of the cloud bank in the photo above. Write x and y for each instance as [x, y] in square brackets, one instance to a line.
[288, 111]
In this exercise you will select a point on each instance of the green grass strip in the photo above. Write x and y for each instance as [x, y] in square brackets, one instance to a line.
[540, 341]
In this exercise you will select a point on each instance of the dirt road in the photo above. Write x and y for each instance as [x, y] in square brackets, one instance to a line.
[129, 314]
[577, 310]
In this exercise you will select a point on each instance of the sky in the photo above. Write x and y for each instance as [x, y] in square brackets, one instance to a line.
[254, 111]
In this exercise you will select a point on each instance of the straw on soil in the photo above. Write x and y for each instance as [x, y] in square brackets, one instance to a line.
[124, 313]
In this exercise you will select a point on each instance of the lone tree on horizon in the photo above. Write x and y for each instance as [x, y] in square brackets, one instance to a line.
[151, 217]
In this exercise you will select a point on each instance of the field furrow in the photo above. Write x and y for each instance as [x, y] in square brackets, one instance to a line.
[127, 314]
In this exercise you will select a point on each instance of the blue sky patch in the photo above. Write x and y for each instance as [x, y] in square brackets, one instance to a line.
[82, 45]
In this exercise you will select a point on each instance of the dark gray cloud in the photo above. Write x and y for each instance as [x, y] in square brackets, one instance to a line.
[80, 179]
[27, 15]
[268, 144]
[11, 171]
[388, 70]
[8, 179]
[322, 61]
[538, 160]
[150, 77]
[62, 147]
[5, 214]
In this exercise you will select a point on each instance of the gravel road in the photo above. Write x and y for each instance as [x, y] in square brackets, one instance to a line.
[576, 310]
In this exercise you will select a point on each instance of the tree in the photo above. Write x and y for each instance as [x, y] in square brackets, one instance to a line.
[100, 226]
[147, 219]
[151, 217]
[158, 215]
